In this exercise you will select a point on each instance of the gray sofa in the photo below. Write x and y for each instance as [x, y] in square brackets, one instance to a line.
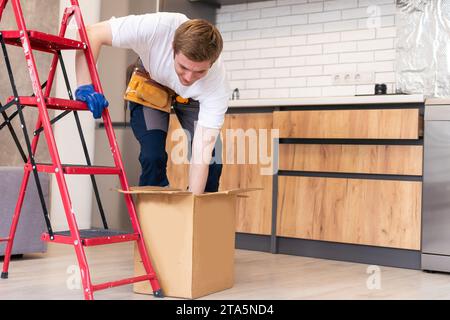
[31, 223]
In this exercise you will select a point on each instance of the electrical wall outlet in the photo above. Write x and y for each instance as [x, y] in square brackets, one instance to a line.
[353, 78]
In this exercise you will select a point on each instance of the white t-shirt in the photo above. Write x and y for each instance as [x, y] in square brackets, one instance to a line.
[151, 37]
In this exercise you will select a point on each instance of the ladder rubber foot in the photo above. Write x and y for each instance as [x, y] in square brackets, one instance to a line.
[158, 294]
[4, 275]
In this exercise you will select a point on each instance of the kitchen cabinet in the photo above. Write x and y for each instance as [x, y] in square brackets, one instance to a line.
[349, 179]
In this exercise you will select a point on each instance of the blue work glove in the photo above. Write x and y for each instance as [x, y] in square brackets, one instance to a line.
[96, 101]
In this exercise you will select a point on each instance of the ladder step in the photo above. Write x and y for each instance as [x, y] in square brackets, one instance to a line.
[75, 169]
[4, 239]
[42, 41]
[92, 237]
[113, 284]
[53, 103]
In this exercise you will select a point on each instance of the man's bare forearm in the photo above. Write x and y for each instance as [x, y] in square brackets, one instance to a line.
[198, 175]
[99, 34]
[202, 147]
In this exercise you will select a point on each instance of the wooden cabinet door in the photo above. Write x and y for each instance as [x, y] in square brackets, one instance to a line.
[369, 212]
[254, 214]
[348, 124]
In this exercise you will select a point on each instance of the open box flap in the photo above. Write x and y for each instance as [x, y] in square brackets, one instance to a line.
[229, 192]
[154, 190]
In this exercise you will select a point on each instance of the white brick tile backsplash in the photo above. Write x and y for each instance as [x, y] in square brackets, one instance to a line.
[355, 13]
[385, 55]
[386, 21]
[292, 20]
[339, 47]
[223, 17]
[290, 82]
[258, 23]
[245, 15]
[237, 84]
[336, 91]
[388, 32]
[307, 8]
[259, 63]
[356, 57]
[383, 66]
[275, 73]
[245, 54]
[234, 45]
[290, 2]
[340, 4]
[227, 36]
[260, 43]
[365, 89]
[294, 48]
[306, 50]
[245, 74]
[362, 67]
[248, 94]
[340, 26]
[307, 29]
[232, 8]
[383, 77]
[340, 68]
[307, 71]
[276, 32]
[226, 56]
[276, 12]
[322, 59]
[324, 16]
[388, 9]
[260, 84]
[245, 35]
[372, 45]
[324, 37]
[232, 26]
[290, 62]
[235, 65]
[358, 35]
[305, 92]
[290, 41]
[274, 93]
[275, 52]
[319, 81]
[262, 4]
[366, 3]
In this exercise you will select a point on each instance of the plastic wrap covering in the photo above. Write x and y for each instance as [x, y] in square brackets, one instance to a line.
[423, 48]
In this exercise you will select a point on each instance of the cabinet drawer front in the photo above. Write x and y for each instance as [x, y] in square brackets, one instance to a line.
[367, 212]
[348, 124]
[370, 159]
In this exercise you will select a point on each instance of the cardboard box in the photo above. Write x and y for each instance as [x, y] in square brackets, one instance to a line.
[190, 240]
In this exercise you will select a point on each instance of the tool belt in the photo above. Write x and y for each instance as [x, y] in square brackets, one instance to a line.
[147, 92]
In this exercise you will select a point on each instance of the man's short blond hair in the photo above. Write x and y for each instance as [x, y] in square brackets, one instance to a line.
[198, 40]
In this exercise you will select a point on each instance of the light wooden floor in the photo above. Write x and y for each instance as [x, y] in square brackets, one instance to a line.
[257, 276]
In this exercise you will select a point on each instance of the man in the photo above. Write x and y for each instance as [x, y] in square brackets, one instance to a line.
[183, 55]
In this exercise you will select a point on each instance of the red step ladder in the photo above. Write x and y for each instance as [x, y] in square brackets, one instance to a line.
[34, 40]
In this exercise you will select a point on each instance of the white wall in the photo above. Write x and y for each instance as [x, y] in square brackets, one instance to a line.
[67, 137]
[295, 48]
